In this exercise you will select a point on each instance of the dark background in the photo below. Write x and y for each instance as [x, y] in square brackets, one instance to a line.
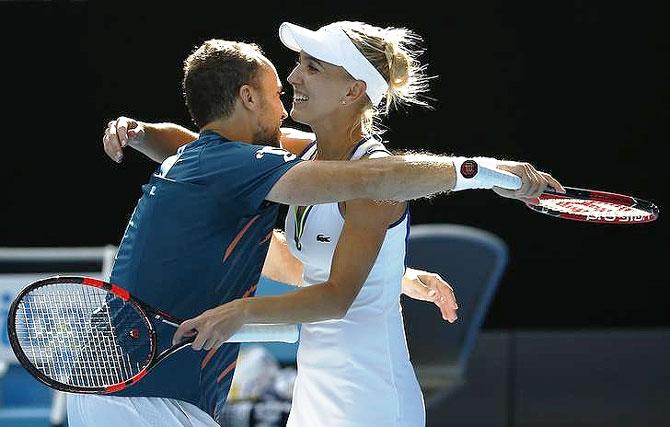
[578, 88]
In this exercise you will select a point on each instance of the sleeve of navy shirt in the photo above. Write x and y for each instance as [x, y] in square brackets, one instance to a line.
[242, 175]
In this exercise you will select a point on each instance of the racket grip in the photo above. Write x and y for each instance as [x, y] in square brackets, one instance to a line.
[504, 179]
[266, 333]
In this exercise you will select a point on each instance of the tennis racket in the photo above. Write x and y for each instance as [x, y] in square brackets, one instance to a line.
[580, 204]
[84, 335]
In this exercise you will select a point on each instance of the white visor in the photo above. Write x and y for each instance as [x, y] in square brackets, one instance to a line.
[331, 44]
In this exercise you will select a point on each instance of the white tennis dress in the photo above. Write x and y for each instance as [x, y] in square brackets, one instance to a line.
[354, 371]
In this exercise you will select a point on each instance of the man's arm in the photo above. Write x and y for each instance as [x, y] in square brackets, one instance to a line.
[161, 140]
[295, 141]
[158, 141]
[280, 265]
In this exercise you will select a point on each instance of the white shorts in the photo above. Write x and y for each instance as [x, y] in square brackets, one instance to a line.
[86, 410]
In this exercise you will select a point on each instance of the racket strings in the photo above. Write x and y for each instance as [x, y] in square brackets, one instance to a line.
[593, 208]
[73, 334]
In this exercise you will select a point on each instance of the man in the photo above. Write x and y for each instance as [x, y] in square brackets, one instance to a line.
[200, 232]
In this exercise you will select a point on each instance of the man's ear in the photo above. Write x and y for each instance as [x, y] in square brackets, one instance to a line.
[356, 91]
[248, 97]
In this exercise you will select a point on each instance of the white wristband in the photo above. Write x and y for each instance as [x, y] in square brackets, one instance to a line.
[482, 173]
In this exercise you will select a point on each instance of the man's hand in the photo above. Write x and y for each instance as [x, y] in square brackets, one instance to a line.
[119, 133]
[533, 182]
[426, 286]
[213, 327]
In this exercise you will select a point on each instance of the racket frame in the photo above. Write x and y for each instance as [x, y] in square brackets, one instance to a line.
[510, 181]
[142, 308]
[598, 196]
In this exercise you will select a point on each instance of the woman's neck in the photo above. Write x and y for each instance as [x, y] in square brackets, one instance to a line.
[336, 143]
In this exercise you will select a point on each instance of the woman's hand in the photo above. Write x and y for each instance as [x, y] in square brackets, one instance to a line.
[213, 327]
[533, 182]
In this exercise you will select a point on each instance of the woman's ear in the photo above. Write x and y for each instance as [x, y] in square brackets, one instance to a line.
[356, 91]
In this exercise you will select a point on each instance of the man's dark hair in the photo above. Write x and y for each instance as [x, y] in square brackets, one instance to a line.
[213, 75]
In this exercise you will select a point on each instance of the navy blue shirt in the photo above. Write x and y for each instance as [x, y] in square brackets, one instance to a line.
[197, 239]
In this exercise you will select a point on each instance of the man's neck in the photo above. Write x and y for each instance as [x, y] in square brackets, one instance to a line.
[229, 129]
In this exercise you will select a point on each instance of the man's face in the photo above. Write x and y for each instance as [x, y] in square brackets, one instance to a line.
[272, 112]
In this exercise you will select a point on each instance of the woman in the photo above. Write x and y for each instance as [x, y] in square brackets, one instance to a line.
[353, 364]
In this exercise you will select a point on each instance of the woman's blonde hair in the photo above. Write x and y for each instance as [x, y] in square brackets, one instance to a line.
[394, 53]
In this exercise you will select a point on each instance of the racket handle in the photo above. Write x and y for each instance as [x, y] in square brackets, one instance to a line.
[504, 179]
[266, 333]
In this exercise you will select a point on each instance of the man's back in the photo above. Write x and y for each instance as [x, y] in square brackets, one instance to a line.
[197, 239]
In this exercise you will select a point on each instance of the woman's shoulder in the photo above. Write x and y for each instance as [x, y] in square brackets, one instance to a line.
[371, 148]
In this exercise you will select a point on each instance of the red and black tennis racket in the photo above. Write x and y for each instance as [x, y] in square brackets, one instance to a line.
[83, 335]
[581, 204]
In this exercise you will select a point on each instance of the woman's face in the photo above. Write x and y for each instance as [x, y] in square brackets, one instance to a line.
[318, 90]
